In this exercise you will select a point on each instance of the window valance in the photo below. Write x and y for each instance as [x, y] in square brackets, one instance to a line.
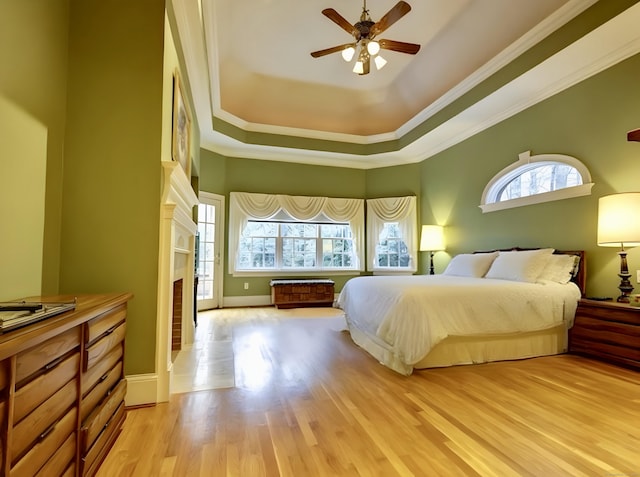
[244, 206]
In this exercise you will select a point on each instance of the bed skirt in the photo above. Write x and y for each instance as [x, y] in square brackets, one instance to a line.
[458, 350]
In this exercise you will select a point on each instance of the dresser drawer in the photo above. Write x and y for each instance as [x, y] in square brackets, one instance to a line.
[103, 443]
[603, 331]
[102, 367]
[106, 383]
[95, 352]
[46, 354]
[103, 323]
[47, 446]
[62, 461]
[40, 389]
[101, 416]
[37, 424]
[4, 374]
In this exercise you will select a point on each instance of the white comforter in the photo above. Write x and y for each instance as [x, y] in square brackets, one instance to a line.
[411, 314]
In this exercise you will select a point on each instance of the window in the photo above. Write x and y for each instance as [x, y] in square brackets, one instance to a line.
[536, 179]
[273, 234]
[391, 249]
[206, 241]
[295, 247]
[392, 235]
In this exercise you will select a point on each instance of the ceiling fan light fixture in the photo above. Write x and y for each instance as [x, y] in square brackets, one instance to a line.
[373, 47]
[347, 53]
[380, 62]
[359, 67]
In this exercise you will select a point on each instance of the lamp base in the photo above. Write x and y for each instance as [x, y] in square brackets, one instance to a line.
[625, 286]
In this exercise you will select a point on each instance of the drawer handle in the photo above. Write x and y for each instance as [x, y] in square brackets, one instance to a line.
[103, 377]
[111, 330]
[49, 366]
[47, 431]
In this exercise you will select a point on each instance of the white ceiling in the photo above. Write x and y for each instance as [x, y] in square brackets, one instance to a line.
[249, 65]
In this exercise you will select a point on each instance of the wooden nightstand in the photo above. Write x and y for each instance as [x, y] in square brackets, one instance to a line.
[607, 330]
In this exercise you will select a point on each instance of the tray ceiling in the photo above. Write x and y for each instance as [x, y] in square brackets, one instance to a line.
[253, 79]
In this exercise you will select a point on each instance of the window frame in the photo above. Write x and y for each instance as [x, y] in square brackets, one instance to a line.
[280, 238]
[387, 210]
[526, 162]
[244, 207]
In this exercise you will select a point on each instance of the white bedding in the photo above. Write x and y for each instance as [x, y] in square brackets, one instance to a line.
[409, 315]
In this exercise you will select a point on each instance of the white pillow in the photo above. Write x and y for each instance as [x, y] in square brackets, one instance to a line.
[520, 266]
[559, 268]
[470, 264]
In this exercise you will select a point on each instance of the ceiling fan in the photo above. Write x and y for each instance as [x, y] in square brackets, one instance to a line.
[364, 32]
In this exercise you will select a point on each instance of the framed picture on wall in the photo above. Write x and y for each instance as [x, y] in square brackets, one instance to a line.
[181, 137]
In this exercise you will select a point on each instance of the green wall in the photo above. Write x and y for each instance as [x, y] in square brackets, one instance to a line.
[33, 55]
[110, 214]
[222, 175]
[588, 121]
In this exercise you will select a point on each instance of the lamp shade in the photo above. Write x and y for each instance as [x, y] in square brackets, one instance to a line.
[432, 238]
[619, 220]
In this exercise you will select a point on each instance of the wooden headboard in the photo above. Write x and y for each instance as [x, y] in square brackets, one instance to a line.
[580, 274]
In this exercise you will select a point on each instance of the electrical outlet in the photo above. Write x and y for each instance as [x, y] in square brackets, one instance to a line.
[246, 284]
[638, 276]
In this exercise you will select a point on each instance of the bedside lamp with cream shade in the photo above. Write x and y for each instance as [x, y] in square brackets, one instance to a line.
[431, 240]
[619, 226]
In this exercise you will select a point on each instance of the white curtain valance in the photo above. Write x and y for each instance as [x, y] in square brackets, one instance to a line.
[392, 209]
[245, 206]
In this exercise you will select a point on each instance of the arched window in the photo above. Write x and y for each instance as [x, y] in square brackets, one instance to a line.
[536, 179]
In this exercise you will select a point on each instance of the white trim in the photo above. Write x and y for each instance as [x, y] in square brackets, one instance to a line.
[489, 201]
[141, 389]
[219, 202]
[177, 235]
[568, 193]
[610, 43]
[238, 301]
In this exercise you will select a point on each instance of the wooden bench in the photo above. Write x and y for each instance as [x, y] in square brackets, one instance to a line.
[294, 293]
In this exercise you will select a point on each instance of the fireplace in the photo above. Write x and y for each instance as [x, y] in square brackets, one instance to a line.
[176, 264]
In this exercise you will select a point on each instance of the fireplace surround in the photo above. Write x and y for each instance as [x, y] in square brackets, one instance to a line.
[176, 262]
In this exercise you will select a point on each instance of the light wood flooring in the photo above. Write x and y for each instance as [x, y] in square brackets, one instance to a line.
[306, 401]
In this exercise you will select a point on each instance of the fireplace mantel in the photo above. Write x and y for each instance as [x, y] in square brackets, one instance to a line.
[177, 240]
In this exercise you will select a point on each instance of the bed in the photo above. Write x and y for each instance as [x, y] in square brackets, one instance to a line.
[486, 306]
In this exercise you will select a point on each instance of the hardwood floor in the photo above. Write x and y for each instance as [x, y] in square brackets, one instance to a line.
[308, 402]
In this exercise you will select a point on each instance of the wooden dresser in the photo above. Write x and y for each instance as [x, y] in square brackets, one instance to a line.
[62, 388]
[607, 330]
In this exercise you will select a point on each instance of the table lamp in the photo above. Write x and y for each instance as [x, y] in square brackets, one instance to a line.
[619, 226]
[431, 240]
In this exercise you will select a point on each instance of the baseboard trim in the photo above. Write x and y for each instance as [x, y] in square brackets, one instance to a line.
[141, 390]
[238, 301]
[256, 300]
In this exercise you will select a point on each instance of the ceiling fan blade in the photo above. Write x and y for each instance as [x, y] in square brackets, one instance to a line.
[392, 16]
[339, 20]
[334, 49]
[399, 46]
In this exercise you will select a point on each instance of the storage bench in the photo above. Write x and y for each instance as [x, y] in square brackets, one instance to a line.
[293, 293]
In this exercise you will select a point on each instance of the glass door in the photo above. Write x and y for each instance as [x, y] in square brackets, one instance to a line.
[209, 261]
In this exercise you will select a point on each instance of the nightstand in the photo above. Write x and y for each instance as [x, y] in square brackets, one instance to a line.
[607, 330]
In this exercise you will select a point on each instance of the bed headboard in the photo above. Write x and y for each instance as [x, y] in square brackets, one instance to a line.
[579, 274]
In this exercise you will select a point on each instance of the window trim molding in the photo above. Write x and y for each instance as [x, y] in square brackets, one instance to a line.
[392, 209]
[489, 203]
[245, 206]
